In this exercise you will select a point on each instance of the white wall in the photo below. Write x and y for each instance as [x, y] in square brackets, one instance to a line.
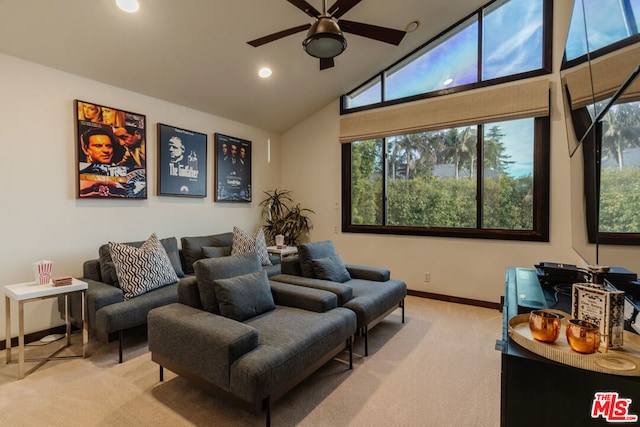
[467, 268]
[40, 215]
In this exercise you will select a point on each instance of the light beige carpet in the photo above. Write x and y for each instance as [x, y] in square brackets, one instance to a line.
[438, 369]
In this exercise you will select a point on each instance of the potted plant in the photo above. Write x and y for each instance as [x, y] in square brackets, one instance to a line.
[282, 216]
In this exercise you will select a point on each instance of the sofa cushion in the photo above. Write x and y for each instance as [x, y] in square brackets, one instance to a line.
[209, 269]
[192, 247]
[311, 251]
[142, 269]
[243, 243]
[330, 268]
[108, 270]
[215, 251]
[243, 297]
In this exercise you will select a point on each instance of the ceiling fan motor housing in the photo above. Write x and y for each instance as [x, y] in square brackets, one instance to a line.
[324, 39]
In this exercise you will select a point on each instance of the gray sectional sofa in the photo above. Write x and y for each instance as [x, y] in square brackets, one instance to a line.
[109, 313]
[246, 338]
[368, 291]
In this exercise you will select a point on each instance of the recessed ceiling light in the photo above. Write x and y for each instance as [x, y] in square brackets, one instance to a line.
[264, 72]
[128, 5]
[412, 26]
[447, 82]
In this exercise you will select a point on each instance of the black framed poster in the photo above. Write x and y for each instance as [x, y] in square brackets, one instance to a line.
[111, 152]
[182, 162]
[233, 169]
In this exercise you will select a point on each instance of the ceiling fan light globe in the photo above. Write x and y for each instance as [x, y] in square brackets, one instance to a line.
[324, 39]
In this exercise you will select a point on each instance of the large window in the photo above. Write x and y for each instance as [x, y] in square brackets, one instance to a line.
[620, 170]
[488, 181]
[505, 40]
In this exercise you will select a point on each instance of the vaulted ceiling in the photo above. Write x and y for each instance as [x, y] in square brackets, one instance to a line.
[194, 52]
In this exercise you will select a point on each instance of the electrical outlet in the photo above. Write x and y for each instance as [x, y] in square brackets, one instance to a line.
[427, 277]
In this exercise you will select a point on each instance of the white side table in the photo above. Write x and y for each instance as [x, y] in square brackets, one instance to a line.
[25, 292]
[282, 252]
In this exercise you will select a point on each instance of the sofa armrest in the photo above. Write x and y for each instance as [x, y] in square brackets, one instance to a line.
[275, 259]
[368, 273]
[91, 270]
[305, 298]
[291, 265]
[188, 292]
[203, 343]
[100, 295]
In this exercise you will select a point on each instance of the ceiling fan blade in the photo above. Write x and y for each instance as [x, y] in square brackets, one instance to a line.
[326, 63]
[341, 7]
[278, 35]
[383, 34]
[305, 7]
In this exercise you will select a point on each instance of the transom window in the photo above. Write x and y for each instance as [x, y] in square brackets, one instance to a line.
[607, 22]
[506, 40]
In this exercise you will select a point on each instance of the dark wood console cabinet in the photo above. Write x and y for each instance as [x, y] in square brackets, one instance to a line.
[536, 391]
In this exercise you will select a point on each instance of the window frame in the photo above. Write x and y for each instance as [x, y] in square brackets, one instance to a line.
[547, 53]
[541, 186]
[592, 163]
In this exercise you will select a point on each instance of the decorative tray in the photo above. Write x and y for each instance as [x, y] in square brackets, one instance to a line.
[622, 361]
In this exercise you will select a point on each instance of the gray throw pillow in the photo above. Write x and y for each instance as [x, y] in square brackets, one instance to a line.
[216, 252]
[192, 247]
[331, 268]
[243, 297]
[311, 251]
[208, 270]
[142, 269]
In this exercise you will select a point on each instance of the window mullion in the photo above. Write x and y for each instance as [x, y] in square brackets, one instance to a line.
[385, 181]
[480, 175]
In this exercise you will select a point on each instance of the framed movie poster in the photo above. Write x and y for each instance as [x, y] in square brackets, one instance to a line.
[111, 146]
[233, 169]
[182, 162]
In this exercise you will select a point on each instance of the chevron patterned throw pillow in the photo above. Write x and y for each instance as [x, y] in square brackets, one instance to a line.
[243, 243]
[143, 269]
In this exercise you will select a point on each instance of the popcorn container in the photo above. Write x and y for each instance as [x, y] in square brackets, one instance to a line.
[42, 271]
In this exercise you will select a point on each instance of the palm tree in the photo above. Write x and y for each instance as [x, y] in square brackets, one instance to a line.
[460, 149]
[621, 130]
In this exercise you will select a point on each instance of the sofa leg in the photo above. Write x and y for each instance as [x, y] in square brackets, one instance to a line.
[266, 407]
[350, 345]
[365, 334]
[402, 306]
[161, 373]
[120, 346]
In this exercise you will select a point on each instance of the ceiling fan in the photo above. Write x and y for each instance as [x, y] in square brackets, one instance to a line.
[325, 39]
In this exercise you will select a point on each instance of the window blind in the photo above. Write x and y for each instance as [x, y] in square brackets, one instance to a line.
[607, 74]
[501, 102]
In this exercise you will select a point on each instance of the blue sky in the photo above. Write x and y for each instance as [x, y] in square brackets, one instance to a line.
[518, 142]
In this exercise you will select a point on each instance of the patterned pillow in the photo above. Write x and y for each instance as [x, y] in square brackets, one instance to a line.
[243, 243]
[142, 269]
